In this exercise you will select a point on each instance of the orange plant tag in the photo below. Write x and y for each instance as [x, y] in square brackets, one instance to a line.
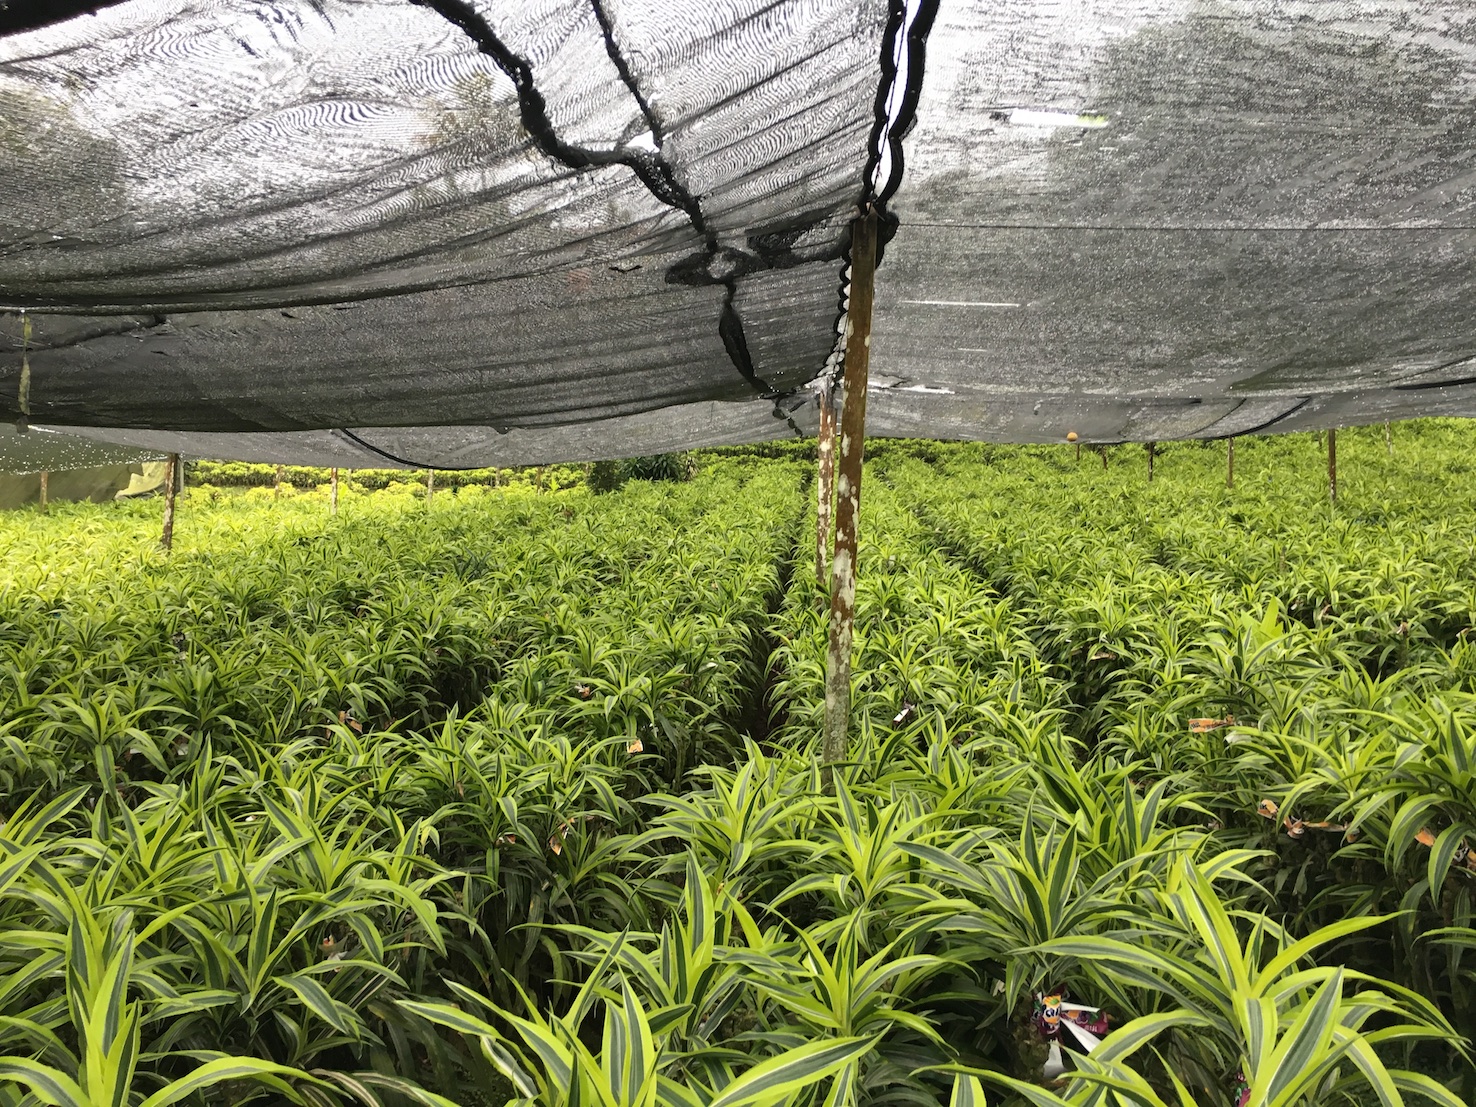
[1200, 726]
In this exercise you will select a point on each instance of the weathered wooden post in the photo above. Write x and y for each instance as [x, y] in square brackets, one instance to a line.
[277, 484]
[848, 492]
[44, 476]
[1103, 451]
[1152, 449]
[23, 395]
[1230, 462]
[430, 484]
[333, 491]
[825, 482]
[1332, 466]
[171, 480]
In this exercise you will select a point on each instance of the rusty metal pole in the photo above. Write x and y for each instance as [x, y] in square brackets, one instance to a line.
[1332, 466]
[848, 493]
[333, 491]
[825, 483]
[44, 477]
[1230, 463]
[171, 480]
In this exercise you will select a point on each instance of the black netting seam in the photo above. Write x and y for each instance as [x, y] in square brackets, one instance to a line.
[788, 415]
[888, 133]
[533, 111]
[1259, 427]
[653, 171]
[1416, 383]
[682, 198]
[730, 323]
[373, 449]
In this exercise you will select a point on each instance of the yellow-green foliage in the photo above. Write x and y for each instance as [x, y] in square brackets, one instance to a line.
[510, 796]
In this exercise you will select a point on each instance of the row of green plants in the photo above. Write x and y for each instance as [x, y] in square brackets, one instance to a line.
[959, 628]
[600, 476]
[513, 798]
[250, 474]
[305, 768]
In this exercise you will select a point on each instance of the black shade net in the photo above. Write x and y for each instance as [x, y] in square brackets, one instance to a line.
[464, 232]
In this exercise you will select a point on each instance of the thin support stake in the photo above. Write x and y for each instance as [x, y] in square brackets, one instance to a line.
[277, 485]
[1230, 463]
[171, 479]
[44, 477]
[825, 484]
[1152, 449]
[1332, 466]
[848, 492]
[333, 491]
[1388, 439]
[430, 484]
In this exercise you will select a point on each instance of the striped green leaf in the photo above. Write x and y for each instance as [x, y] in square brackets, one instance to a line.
[44, 1082]
[781, 1078]
[224, 1069]
[317, 1000]
[967, 1091]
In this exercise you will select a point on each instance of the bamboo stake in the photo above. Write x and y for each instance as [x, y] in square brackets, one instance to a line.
[1230, 463]
[1332, 466]
[171, 471]
[848, 493]
[44, 476]
[277, 485]
[333, 491]
[825, 483]
[430, 484]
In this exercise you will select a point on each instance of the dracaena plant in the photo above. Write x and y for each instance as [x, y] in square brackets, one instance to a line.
[549, 1063]
[100, 967]
[328, 765]
[1247, 998]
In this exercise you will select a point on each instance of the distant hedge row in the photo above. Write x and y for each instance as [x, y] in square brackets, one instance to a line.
[246, 474]
[601, 476]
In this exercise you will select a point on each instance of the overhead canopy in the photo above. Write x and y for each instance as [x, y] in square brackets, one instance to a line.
[1148, 219]
[467, 232]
